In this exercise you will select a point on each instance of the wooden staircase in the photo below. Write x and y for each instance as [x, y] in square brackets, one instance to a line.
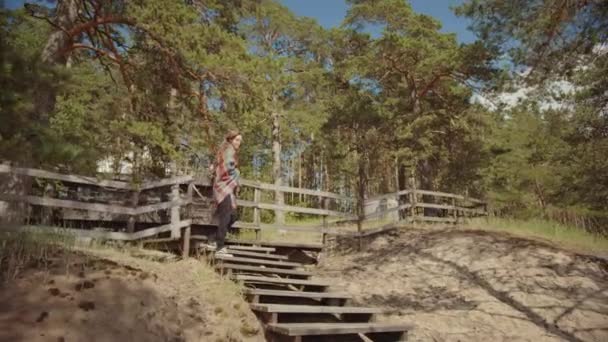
[294, 306]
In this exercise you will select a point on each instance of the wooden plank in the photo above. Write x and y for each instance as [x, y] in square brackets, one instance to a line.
[296, 294]
[262, 226]
[241, 260]
[310, 329]
[166, 182]
[66, 178]
[105, 208]
[250, 248]
[314, 211]
[314, 309]
[52, 202]
[435, 206]
[81, 233]
[274, 280]
[435, 219]
[257, 255]
[266, 186]
[98, 234]
[257, 269]
[160, 229]
[150, 241]
[449, 195]
[303, 246]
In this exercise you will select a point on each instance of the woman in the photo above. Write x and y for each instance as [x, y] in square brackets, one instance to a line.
[225, 186]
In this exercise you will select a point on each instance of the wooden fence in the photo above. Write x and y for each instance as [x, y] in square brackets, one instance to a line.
[178, 197]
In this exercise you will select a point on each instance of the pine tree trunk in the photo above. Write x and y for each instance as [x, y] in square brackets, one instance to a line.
[276, 166]
[54, 54]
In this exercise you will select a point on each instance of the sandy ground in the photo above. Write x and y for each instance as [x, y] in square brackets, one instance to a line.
[108, 296]
[456, 285]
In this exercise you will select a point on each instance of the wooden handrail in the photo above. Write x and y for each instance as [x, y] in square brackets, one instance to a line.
[302, 210]
[267, 186]
[66, 178]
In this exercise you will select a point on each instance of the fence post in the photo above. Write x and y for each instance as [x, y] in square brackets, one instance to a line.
[47, 212]
[188, 230]
[325, 223]
[133, 202]
[256, 212]
[174, 197]
[454, 211]
[398, 212]
[413, 199]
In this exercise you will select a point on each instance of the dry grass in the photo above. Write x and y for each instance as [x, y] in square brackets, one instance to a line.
[24, 249]
[565, 236]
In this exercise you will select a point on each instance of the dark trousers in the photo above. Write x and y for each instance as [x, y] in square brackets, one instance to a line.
[226, 217]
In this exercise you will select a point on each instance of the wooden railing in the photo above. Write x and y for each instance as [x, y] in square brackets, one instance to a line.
[129, 205]
[326, 199]
[128, 201]
[447, 207]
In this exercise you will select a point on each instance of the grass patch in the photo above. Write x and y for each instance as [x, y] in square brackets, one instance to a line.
[563, 235]
[274, 235]
[26, 249]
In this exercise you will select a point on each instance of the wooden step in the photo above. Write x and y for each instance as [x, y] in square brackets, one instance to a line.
[257, 255]
[312, 247]
[312, 329]
[252, 248]
[253, 261]
[258, 269]
[314, 309]
[298, 294]
[249, 279]
[288, 313]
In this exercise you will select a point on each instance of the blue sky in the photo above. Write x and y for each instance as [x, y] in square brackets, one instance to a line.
[331, 12]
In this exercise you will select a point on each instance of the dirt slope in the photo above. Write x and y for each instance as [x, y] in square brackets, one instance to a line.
[110, 296]
[477, 286]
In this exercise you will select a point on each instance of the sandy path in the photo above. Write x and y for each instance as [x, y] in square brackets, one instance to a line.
[477, 286]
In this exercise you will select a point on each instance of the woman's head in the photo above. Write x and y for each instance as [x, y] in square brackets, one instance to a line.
[235, 138]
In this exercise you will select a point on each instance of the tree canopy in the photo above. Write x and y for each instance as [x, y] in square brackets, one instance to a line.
[154, 84]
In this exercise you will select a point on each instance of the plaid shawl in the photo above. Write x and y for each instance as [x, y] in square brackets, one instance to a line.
[226, 174]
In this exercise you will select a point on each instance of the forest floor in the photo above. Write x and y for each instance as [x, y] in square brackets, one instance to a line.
[108, 295]
[471, 285]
